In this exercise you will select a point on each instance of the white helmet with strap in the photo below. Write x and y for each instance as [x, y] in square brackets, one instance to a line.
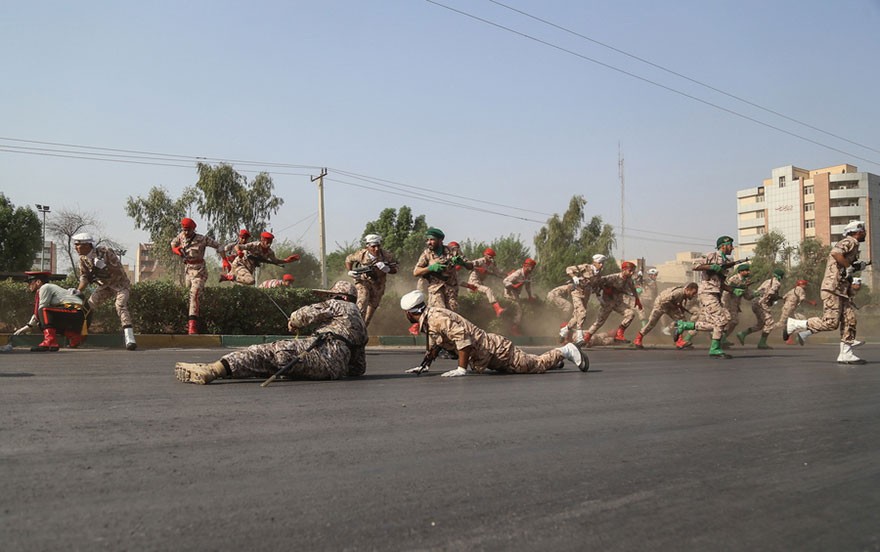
[83, 237]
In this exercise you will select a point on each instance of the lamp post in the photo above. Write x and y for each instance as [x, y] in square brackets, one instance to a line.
[43, 209]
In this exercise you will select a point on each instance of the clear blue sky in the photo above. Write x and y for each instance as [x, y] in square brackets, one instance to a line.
[407, 91]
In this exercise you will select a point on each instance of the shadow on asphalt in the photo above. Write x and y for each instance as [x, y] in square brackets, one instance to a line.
[16, 375]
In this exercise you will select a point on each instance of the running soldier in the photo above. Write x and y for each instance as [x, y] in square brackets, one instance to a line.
[649, 289]
[671, 302]
[370, 268]
[100, 265]
[765, 297]
[732, 299]
[557, 297]
[713, 317]
[335, 350]
[613, 288]
[837, 307]
[251, 255]
[190, 247]
[584, 278]
[792, 300]
[514, 283]
[55, 309]
[228, 252]
[437, 266]
[285, 281]
[483, 267]
[476, 348]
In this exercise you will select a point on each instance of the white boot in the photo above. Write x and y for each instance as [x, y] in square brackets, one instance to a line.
[571, 353]
[578, 338]
[801, 336]
[856, 343]
[129, 339]
[846, 355]
[793, 325]
[563, 332]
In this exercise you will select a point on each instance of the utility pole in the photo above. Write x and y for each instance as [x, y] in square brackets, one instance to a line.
[622, 199]
[323, 235]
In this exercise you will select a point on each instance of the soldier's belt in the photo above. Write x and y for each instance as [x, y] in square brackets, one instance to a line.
[194, 261]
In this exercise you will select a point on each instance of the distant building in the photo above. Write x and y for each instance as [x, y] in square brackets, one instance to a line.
[146, 267]
[819, 203]
[679, 271]
[46, 258]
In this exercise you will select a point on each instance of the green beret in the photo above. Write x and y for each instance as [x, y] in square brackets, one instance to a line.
[723, 240]
[435, 233]
[779, 273]
[744, 266]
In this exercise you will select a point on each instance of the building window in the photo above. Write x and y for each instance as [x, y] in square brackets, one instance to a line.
[808, 207]
[808, 190]
[759, 214]
[782, 182]
[761, 231]
[811, 223]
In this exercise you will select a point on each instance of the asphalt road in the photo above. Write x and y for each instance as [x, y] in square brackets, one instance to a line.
[650, 450]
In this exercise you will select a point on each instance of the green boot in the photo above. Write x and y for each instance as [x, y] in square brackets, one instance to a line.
[681, 326]
[715, 350]
[725, 344]
[762, 343]
[741, 336]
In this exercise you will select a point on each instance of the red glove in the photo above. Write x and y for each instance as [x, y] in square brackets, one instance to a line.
[481, 269]
[517, 286]
[240, 253]
[292, 258]
[177, 251]
[226, 265]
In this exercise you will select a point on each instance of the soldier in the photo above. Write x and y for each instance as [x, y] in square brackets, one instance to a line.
[228, 252]
[614, 287]
[251, 255]
[713, 317]
[732, 299]
[476, 348]
[649, 289]
[765, 297]
[557, 297]
[792, 300]
[514, 283]
[335, 350]
[437, 266]
[55, 309]
[843, 262]
[584, 278]
[371, 265]
[483, 267]
[671, 302]
[285, 281]
[100, 265]
[190, 247]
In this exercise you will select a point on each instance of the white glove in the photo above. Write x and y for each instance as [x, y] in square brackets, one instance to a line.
[352, 273]
[21, 330]
[74, 291]
[417, 370]
[575, 280]
[850, 271]
[99, 263]
[383, 267]
[454, 373]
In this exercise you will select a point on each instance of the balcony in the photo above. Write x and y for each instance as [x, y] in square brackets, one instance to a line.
[750, 223]
[751, 207]
[847, 193]
[854, 212]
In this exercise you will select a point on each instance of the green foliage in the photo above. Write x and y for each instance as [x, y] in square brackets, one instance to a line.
[771, 252]
[16, 305]
[566, 241]
[812, 257]
[307, 270]
[510, 251]
[159, 215]
[20, 236]
[401, 234]
[229, 202]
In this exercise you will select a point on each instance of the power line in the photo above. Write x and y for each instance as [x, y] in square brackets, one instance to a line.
[683, 76]
[649, 81]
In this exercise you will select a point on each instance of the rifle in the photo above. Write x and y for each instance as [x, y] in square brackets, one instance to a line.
[320, 339]
[262, 260]
[430, 355]
[366, 270]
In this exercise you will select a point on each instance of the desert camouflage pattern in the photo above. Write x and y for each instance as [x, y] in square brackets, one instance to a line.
[733, 302]
[244, 266]
[711, 282]
[837, 308]
[712, 317]
[766, 294]
[451, 331]
[442, 287]
[612, 290]
[195, 272]
[371, 286]
[672, 302]
[557, 297]
[791, 301]
[333, 359]
[512, 281]
[112, 281]
[580, 295]
[483, 267]
[834, 280]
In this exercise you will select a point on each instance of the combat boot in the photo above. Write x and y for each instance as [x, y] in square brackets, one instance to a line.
[571, 353]
[73, 339]
[683, 342]
[564, 333]
[194, 372]
[793, 325]
[715, 350]
[741, 336]
[130, 343]
[762, 343]
[619, 337]
[49, 342]
[846, 355]
[638, 341]
[498, 309]
[681, 326]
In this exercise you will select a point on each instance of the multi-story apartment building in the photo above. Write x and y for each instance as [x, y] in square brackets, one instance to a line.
[45, 259]
[816, 203]
[145, 265]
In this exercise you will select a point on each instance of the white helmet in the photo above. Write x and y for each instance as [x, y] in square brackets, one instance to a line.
[853, 227]
[652, 271]
[599, 258]
[373, 239]
[83, 237]
[857, 281]
[412, 301]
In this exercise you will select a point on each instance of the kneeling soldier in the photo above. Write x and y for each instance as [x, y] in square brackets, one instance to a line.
[55, 308]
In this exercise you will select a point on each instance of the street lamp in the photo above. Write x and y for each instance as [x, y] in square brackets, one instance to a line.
[43, 209]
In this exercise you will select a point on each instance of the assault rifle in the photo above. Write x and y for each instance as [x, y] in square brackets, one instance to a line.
[258, 260]
[366, 270]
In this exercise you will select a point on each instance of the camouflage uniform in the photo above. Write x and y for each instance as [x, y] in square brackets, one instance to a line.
[713, 317]
[557, 296]
[442, 286]
[588, 275]
[483, 267]
[613, 289]
[766, 294]
[671, 302]
[733, 302]
[193, 250]
[244, 266]
[451, 331]
[111, 280]
[791, 301]
[341, 355]
[513, 284]
[836, 304]
[370, 286]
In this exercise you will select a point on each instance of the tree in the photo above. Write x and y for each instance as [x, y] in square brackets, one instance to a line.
[510, 251]
[812, 255]
[67, 223]
[771, 252]
[306, 271]
[401, 234]
[20, 236]
[566, 241]
[159, 215]
[229, 202]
